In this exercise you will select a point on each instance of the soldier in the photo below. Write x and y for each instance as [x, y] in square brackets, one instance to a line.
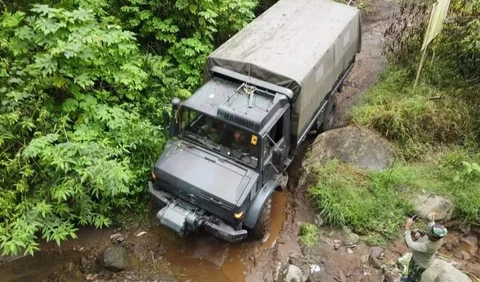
[240, 143]
[211, 129]
[423, 250]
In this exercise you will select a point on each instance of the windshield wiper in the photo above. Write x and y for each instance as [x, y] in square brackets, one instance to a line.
[196, 138]
[217, 148]
[205, 141]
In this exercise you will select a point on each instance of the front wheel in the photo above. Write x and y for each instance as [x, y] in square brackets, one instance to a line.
[262, 228]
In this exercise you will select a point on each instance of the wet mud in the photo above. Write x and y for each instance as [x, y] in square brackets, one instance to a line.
[202, 257]
[158, 255]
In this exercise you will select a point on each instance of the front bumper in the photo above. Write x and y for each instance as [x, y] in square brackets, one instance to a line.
[182, 217]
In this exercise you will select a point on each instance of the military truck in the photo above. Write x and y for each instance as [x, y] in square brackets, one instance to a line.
[267, 87]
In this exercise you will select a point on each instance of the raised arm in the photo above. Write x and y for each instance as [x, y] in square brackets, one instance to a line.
[416, 246]
[431, 218]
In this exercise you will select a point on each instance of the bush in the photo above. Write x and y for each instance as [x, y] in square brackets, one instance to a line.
[443, 108]
[458, 45]
[83, 85]
[416, 120]
[74, 150]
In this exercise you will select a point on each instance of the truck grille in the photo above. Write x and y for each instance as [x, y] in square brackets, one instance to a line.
[218, 207]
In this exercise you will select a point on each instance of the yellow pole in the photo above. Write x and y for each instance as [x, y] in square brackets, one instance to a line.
[422, 58]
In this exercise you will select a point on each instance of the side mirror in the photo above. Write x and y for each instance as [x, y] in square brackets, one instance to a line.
[166, 118]
[276, 157]
[174, 125]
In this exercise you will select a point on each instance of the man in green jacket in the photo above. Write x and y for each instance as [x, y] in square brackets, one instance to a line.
[423, 250]
[212, 130]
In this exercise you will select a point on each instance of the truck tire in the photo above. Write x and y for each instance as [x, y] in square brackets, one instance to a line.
[262, 227]
[340, 87]
[329, 115]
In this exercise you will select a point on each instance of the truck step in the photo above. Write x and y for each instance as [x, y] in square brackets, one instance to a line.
[286, 163]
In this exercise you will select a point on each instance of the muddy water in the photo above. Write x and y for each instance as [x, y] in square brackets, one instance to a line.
[198, 257]
[202, 257]
[41, 267]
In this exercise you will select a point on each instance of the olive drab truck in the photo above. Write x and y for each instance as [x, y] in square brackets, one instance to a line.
[268, 86]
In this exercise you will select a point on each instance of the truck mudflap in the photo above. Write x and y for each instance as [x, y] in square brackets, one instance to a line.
[179, 217]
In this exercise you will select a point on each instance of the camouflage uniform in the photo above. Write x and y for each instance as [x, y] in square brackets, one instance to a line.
[415, 271]
[423, 250]
[207, 130]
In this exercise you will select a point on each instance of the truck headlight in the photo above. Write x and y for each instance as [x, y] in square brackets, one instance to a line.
[239, 215]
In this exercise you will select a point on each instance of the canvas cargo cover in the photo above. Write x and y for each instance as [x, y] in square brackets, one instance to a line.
[303, 45]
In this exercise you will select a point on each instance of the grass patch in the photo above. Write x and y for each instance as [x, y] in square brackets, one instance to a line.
[308, 234]
[377, 203]
[376, 240]
[417, 121]
[367, 202]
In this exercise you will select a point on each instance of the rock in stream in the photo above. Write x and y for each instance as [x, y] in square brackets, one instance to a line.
[115, 258]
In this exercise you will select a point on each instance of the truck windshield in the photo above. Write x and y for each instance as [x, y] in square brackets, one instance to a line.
[225, 138]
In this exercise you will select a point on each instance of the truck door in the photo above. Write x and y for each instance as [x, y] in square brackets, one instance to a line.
[274, 137]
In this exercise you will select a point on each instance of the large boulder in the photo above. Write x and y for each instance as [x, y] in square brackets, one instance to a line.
[356, 146]
[115, 258]
[424, 204]
[290, 273]
[442, 271]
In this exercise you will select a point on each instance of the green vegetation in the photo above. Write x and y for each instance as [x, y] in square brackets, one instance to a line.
[366, 202]
[82, 88]
[308, 234]
[435, 128]
[376, 203]
[420, 120]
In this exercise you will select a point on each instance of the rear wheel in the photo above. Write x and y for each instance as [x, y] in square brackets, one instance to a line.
[340, 87]
[262, 228]
[329, 115]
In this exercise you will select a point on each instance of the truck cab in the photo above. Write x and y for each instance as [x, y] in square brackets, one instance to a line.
[229, 142]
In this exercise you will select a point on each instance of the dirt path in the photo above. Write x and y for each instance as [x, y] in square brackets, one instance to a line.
[370, 61]
[160, 255]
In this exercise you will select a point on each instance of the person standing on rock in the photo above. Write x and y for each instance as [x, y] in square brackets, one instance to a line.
[423, 250]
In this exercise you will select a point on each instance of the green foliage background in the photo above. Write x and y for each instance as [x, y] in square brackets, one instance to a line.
[82, 88]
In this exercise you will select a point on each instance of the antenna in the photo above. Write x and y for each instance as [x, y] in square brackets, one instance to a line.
[250, 90]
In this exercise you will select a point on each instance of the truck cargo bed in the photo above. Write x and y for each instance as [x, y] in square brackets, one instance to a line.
[304, 45]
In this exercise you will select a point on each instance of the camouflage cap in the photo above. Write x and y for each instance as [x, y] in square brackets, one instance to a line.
[437, 231]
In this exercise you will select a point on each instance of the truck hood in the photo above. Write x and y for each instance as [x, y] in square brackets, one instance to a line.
[197, 175]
